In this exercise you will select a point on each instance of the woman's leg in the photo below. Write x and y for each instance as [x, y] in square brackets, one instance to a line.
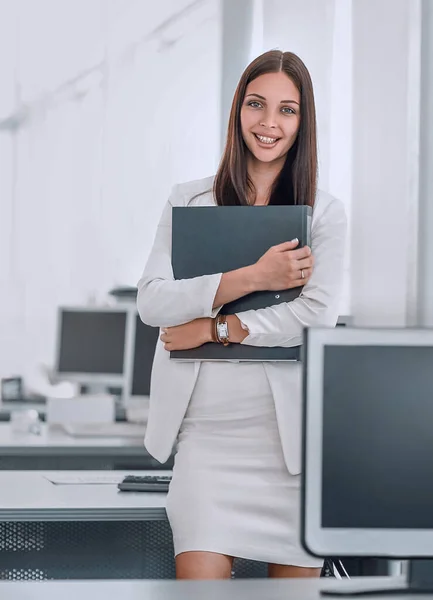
[203, 565]
[275, 571]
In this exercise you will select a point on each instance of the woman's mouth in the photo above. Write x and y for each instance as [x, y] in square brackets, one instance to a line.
[265, 141]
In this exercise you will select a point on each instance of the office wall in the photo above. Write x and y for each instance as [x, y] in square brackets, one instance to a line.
[120, 100]
[386, 89]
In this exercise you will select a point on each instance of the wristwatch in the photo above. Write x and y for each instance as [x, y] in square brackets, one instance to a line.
[222, 330]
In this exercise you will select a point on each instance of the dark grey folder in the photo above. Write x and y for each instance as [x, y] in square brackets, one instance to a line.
[217, 239]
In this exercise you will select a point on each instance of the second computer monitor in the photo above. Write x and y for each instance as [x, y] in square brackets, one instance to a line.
[143, 352]
[92, 345]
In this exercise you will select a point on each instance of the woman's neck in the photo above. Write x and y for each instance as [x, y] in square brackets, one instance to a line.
[263, 176]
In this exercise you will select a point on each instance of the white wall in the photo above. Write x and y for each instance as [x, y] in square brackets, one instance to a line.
[122, 100]
[385, 160]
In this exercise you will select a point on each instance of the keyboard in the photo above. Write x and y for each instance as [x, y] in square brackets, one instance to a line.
[129, 430]
[145, 483]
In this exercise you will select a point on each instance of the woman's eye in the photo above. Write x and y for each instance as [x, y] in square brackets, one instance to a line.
[288, 111]
[254, 104]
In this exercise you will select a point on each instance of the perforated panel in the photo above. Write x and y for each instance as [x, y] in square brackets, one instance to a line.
[24, 575]
[95, 550]
[86, 550]
[21, 537]
[248, 568]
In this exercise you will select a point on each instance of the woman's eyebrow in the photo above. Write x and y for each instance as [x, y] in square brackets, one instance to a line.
[281, 102]
[257, 95]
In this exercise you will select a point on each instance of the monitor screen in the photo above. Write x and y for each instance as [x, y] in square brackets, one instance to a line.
[377, 445]
[92, 342]
[144, 351]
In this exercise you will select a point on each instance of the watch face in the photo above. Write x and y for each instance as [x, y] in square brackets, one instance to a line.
[223, 330]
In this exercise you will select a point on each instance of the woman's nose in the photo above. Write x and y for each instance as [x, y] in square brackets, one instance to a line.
[268, 120]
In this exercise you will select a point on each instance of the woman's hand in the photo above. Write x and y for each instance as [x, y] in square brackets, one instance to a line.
[188, 336]
[282, 267]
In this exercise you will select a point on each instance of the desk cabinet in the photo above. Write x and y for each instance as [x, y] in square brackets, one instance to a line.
[85, 531]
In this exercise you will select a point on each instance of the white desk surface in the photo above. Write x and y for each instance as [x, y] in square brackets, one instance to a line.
[29, 496]
[252, 589]
[56, 437]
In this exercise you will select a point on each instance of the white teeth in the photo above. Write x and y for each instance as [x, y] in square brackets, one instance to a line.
[266, 140]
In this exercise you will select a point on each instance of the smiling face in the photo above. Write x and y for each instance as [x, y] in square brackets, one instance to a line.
[270, 117]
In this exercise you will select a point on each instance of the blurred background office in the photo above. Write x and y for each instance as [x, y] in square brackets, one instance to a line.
[105, 104]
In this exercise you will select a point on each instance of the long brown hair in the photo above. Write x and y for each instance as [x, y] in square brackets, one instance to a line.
[297, 181]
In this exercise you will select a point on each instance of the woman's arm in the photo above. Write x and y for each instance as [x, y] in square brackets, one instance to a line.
[278, 269]
[318, 303]
[234, 285]
[163, 301]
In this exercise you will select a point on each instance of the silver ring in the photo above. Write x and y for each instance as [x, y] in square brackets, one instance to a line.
[302, 274]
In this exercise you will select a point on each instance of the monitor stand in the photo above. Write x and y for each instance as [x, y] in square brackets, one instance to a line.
[419, 581]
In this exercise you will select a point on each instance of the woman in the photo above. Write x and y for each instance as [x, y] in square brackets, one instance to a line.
[236, 490]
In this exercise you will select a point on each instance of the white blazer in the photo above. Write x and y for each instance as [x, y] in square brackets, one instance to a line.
[164, 302]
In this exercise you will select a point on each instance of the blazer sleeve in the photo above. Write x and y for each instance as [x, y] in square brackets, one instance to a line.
[163, 301]
[318, 303]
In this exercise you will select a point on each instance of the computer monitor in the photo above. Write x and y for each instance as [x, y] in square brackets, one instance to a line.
[368, 446]
[144, 345]
[92, 345]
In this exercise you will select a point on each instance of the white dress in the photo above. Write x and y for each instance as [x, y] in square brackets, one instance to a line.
[231, 492]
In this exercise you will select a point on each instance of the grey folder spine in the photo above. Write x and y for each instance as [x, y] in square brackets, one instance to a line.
[217, 239]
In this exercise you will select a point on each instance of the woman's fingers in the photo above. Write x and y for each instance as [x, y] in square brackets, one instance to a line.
[300, 253]
[305, 263]
[303, 280]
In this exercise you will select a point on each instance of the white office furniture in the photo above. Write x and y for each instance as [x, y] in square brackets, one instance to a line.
[30, 496]
[50, 531]
[55, 449]
[295, 589]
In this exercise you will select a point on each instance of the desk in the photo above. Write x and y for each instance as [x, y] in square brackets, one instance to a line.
[296, 589]
[52, 531]
[30, 496]
[7, 407]
[40, 407]
[56, 450]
